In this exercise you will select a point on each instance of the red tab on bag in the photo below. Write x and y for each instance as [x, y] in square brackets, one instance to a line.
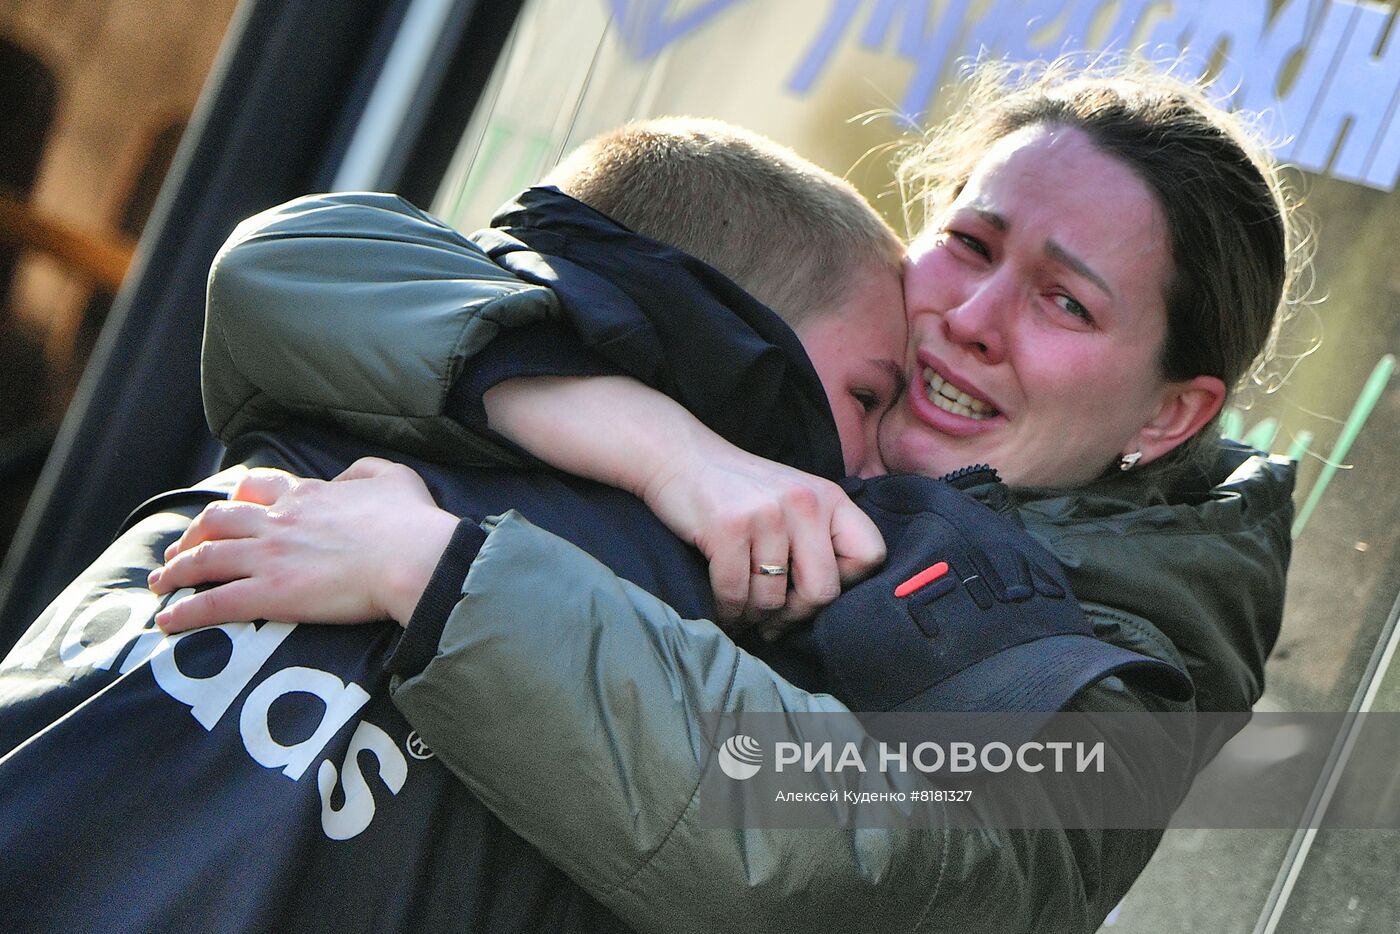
[925, 577]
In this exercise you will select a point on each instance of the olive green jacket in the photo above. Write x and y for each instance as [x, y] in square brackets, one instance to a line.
[570, 701]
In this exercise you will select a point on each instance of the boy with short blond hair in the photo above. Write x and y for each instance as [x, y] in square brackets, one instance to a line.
[790, 232]
[726, 207]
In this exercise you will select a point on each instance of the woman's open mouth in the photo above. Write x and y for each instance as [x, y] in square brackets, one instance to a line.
[949, 398]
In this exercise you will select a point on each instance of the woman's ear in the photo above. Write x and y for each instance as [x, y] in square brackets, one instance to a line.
[1185, 409]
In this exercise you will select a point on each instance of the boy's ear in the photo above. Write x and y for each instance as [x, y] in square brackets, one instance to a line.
[1185, 409]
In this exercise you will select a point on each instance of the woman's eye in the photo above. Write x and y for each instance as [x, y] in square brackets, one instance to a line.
[972, 243]
[1073, 307]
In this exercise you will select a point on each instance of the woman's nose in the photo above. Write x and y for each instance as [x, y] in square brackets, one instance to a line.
[977, 322]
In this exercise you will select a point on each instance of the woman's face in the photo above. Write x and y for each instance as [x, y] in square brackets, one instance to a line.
[1036, 317]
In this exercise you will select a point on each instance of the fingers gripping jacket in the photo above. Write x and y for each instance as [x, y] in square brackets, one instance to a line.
[970, 613]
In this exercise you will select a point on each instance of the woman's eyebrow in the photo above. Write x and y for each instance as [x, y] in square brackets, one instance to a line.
[990, 217]
[1062, 256]
[1052, 249]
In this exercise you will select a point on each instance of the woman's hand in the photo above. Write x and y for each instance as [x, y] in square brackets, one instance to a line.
[359, 548]
[743, 511]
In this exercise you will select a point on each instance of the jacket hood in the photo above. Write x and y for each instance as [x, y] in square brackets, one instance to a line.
[675, 323]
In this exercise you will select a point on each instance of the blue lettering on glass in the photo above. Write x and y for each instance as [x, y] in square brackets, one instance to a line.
[1002, 24]
[1284, 38]
[1297, 105]
[810, 68]
[1344, 97]
[924, 43]
[1362, 90]
[931, 53]
[647, 28]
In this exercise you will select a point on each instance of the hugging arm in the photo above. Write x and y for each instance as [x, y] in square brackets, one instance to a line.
[303, 562]
[738, 509]
[613, 684]
[381, 302]
[604, 660]
[441, 335]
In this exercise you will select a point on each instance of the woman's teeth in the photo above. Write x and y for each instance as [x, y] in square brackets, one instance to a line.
[950, 399]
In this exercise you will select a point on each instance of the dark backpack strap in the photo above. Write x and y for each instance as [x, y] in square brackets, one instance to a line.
[970, 614]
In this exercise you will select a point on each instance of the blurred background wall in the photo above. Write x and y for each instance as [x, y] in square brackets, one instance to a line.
[98, 93]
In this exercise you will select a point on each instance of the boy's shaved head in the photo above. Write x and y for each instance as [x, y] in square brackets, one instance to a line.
[793, 235]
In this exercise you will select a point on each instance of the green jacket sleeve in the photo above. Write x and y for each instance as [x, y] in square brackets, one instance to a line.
[297, 285]
[570, 702]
